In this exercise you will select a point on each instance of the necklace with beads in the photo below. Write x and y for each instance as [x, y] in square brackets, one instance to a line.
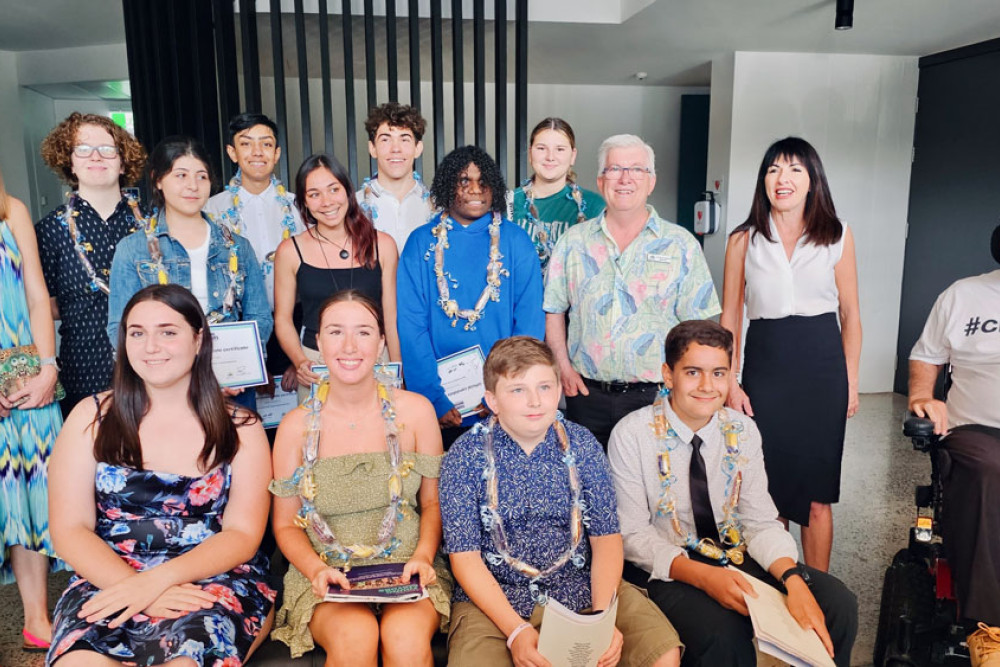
[334, 553]
[494, 271]
[368, 195]
[545, 232]
[82, 247]
[233, 216]
[492, 521]
[731, 537]
[230, 298]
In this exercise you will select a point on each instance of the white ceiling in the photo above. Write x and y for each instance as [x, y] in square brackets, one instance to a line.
[672, 40]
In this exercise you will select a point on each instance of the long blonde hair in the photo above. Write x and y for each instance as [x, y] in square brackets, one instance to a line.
[4, 203]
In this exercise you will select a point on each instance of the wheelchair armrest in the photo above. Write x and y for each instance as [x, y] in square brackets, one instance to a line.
[921, 432]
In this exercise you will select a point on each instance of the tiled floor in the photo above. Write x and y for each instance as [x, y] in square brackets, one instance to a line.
[871, 522]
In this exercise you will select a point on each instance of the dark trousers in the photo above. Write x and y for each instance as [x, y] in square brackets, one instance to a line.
[600, 411]
[715, 636]
[970, 518]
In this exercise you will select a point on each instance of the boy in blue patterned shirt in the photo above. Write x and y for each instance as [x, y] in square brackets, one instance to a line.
[529, 514]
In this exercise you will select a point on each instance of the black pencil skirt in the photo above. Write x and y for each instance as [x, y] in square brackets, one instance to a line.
[796, 377]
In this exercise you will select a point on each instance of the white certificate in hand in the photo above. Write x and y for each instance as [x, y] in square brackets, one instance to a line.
[237, 355]
[272, 409]
[461, 376]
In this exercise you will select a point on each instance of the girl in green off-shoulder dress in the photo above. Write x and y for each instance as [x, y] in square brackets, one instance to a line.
[358, 467]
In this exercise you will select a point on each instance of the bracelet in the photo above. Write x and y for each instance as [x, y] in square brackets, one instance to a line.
[48, 361]
[518, 630]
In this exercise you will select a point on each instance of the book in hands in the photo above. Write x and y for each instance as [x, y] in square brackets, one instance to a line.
[777, 631]
[568, 639]
[378, 583]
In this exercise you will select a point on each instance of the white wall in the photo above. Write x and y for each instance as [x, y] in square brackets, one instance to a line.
[37, 119]
[858, 111]
[12, 161]
[106, 62]
[594, 112]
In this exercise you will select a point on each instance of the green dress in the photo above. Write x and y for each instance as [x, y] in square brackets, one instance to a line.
[352, 496]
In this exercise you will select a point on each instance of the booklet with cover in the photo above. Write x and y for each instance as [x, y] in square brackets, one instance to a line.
[568, 639]
[378, 583]
[777, 631]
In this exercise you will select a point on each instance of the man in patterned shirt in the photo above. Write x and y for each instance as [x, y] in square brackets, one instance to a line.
[626, 278]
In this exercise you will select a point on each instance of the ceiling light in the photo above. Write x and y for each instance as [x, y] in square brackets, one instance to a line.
[845, 14]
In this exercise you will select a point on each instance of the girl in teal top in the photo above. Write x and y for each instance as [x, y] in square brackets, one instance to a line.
[550, 202]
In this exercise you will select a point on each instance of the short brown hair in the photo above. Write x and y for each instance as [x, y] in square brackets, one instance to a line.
[57, 148]
[703, 332]
[396, 115]
[511, 357]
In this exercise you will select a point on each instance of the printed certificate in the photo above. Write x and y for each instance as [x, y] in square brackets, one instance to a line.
[273, 408]
[461, 376]
[237, 355]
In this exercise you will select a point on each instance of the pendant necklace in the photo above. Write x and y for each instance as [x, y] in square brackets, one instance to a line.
[344, 252]
[329, 269]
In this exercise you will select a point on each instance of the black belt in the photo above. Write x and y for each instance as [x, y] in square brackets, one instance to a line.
[620, 387]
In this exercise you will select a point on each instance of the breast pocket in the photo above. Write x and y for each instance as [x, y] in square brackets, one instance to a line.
[662, 273]
[149, 273]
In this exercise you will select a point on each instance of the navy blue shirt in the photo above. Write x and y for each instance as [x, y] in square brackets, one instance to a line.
[534, 499]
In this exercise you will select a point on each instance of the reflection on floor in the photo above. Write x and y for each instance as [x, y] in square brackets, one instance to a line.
[871, 522]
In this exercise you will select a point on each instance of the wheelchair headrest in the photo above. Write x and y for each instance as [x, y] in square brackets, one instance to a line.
[995, 244]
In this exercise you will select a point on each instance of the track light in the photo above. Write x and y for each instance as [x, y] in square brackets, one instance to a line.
[845, 14]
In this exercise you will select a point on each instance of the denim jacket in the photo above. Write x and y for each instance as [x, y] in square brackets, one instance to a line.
[132, 269]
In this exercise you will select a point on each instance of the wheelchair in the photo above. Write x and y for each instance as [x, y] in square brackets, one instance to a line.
[918, 617]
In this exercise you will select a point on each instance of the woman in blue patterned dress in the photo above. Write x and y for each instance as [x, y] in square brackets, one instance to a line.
[165, 549]
[29, 421]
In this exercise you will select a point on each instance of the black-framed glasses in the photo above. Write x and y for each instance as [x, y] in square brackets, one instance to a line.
[614, 172]
[106, 151]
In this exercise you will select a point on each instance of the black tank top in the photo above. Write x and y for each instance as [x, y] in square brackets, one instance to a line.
[314, 285]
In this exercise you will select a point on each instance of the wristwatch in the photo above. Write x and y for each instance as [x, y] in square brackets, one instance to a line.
[796, 570]
[48, 361]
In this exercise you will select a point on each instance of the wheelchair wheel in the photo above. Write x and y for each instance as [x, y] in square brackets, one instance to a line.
[906, 613]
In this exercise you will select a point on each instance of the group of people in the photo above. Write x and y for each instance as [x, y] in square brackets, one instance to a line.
[157, 487]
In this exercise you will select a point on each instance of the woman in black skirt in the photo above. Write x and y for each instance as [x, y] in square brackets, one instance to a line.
[792, 265]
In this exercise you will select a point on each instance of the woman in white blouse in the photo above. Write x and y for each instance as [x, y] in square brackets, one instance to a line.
[792, 266]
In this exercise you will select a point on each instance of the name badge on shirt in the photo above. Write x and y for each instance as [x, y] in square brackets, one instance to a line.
[653, 257]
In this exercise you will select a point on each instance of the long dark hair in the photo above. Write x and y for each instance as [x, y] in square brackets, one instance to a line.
[561, 126]
[360, 229]
[822, 226]
[161, 162]
[446, 176]
[124, 408]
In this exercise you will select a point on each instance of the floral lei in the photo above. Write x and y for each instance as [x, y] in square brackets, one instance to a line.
[543, 229]
[733, 545]
[368, 195]
[233, 216]
[334, 553]
[82, 247]
[156, 256]
[489, 512]
[494, 271]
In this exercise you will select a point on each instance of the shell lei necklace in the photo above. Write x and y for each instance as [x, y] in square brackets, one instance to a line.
[543, 230]
[494, 271]
[489, 512]
[334, 553]
[233, 217]
[82, 247]
[229, 300]
[731, 536]
[368, 195]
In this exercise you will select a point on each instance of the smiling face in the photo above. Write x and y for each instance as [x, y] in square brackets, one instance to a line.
[186, 186]
[473, 199]
[551, 156]
[627, 194]
[349, 341]
[526, 404]
[160, 345]
[326, 198]
[394, 150]
[256, 152]
[698, 383]
[95, 171]
[787, 185]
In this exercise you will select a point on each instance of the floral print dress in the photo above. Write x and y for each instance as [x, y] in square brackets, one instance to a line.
[148, 518]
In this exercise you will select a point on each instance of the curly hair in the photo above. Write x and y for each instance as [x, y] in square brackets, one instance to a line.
[446, 177]
[57, 148]
[396, 115]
